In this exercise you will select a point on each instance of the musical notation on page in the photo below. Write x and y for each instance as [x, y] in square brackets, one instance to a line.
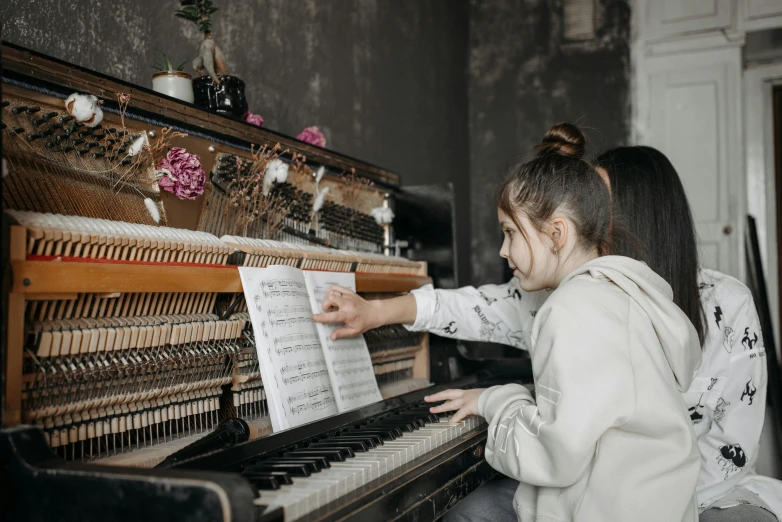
[349, 363]
[293, 367]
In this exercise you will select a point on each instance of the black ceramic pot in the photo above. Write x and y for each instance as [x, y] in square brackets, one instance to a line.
[226, 98]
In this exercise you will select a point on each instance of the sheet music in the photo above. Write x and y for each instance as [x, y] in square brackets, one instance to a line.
[293, 369]
[350, 366]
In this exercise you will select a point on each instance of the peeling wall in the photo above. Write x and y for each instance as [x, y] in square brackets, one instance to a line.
[523, 78]
[384, 79]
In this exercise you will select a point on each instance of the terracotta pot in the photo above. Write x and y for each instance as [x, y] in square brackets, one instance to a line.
[176, 84]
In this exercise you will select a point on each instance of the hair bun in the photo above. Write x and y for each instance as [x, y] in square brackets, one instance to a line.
[563, 139]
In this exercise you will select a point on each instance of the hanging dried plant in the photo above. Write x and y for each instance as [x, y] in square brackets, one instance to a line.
[256, 200]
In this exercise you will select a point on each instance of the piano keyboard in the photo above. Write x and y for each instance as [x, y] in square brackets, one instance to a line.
[310, 477]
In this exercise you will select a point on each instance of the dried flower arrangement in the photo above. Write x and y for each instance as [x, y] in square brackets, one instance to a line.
[253, 194]
[83, 148]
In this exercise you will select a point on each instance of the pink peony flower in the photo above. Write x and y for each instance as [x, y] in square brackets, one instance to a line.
[312, 135]
[253, 119]
[182, 174]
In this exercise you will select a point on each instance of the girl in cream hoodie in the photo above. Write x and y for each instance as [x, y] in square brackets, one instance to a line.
[607, 436]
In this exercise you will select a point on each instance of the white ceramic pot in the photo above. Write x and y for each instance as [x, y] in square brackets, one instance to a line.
[176, 84]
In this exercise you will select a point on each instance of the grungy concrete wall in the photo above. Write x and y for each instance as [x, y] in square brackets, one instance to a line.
[388, 81]
[523, 78]
[384, 79]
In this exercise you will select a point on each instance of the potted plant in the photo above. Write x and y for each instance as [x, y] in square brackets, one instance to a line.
[214, 88]
[172, 81]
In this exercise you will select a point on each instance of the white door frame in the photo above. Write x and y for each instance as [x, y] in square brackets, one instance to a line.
[759, 158]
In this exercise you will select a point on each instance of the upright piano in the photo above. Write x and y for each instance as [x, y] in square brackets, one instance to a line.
[126, 337]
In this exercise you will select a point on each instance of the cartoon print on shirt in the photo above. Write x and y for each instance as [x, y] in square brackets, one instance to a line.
[713, 382]
[731, 459]
[513, 293]
[749, 391]
[489, 300]
[695, 415]
[749, 342]
[727, 339]
[533, 313]
[720, 410]
[451, 328]
[487, 327]
[704, 286]
[718, 315]
[436, 302]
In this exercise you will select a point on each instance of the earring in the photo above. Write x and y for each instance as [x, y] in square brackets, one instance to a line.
[555, 251]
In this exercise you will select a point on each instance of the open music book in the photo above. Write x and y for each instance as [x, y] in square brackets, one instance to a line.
[305, 374]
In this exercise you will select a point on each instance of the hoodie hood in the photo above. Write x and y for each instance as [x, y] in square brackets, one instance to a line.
[653, 294]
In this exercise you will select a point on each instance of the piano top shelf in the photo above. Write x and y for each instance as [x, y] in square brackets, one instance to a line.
[38, 278]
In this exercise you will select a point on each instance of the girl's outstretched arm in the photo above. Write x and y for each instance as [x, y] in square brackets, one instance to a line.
[494, 313]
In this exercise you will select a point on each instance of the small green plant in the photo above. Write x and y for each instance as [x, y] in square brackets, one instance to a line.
[165, 64]
[199, 12]
[210, 59]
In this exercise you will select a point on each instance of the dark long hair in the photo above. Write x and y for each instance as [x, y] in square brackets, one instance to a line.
[648, 198]
[557, 179]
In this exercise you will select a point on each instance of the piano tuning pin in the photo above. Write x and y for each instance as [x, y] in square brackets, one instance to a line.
[19, 109]
[4, 104]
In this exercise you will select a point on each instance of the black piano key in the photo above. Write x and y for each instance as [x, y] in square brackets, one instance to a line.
[346, 451]
[416, 420]
[357, 445]
[282, 477]
[385, 434]
[332, 455]
[263, 481]
[407, 425]
[424, 412]
[366, 440]
[293, 469]
[377, 439]
[309, 455]
[396, 429]
[312, 465]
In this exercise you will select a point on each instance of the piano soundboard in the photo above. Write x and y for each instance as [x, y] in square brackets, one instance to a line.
[127, 333]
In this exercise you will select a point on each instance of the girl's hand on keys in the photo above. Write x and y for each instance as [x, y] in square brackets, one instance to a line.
[345, 306]
[465, 402]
